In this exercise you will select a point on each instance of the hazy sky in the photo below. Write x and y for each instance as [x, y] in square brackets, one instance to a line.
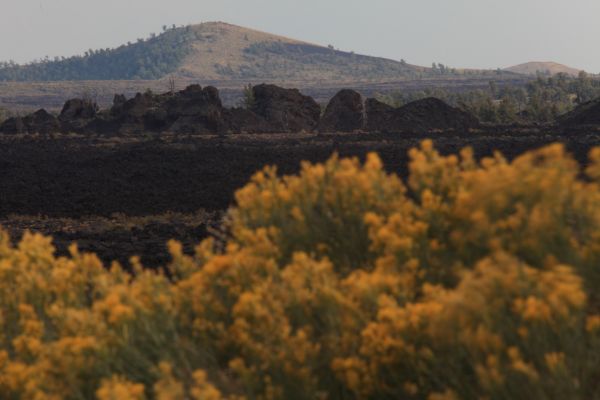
[459, 33]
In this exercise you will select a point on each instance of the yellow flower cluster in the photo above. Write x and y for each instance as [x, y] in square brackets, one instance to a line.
[475, 280]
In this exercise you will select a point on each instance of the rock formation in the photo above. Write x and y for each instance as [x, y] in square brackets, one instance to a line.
[287, 110]
[419, 116]
[197, 110]
[38, 122]
[344, 113]
[76, 114]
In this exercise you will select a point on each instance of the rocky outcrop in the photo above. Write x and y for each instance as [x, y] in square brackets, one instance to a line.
[432, 113]
[195, 110]
[419, 116]
[344, 113]
[119, 100]
[144, 112]
[76, 114]
[585, 114]
[38, 122]
[380, 116]
[287, 110]
[42, 122]
[78, 109]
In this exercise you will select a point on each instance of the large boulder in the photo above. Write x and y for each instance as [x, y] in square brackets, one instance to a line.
[380, 116]
[77, 113]
[144, 112]
[119, 100]
[38, 122]
[344, 113]
[78, 109]
[287, 110]
[196, 110]
[419, 116]
[42, 122]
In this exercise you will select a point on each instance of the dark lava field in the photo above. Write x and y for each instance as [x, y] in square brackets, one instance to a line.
[123, 181]
[125, 196]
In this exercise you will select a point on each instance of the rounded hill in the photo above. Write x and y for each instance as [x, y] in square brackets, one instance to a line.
[545, 68]
[214, 51]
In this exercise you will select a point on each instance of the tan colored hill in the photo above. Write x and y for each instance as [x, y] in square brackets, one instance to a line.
[544, 67]
[224, 51]
[221, 52]
[215, 51]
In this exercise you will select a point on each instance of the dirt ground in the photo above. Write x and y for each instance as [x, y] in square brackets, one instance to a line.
[120, 196]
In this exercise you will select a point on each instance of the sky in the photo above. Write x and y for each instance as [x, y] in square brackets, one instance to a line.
[457, 33]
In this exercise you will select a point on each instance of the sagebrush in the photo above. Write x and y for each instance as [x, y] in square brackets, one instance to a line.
[474, 280]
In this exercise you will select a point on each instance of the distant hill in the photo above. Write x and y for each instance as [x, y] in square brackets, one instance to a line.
[226, 51]
[218, 51]
[547, 68]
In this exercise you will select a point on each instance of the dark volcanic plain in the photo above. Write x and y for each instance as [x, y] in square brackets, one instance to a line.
[125, 196]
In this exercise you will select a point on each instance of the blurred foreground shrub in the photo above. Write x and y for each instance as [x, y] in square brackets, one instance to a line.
[474, 281]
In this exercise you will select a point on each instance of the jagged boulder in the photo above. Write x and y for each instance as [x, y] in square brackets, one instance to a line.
[585, 114]
[77, 113]
[119, 100]
[42, 122]
[418, 116]
[344, 113]
[78, 109]
[287, 110]
[144, 112]
[38, 122]
[196, 110]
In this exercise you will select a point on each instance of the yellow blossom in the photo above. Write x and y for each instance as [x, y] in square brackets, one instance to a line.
[118, 388]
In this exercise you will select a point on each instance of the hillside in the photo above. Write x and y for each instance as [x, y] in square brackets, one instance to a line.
[226, 51]
[146, 59]
[216, 51]
[548, 67]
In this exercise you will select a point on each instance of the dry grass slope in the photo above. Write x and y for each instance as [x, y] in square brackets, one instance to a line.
[532, 68]
[225, 51]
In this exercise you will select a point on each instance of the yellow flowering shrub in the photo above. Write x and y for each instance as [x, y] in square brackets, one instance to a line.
[474, 280]
[506, 330]
[321, 211]
[117, 388]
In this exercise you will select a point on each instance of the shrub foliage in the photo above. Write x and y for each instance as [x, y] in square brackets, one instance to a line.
[472, 281]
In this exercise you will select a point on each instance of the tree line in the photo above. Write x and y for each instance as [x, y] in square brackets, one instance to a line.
[540, 100]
